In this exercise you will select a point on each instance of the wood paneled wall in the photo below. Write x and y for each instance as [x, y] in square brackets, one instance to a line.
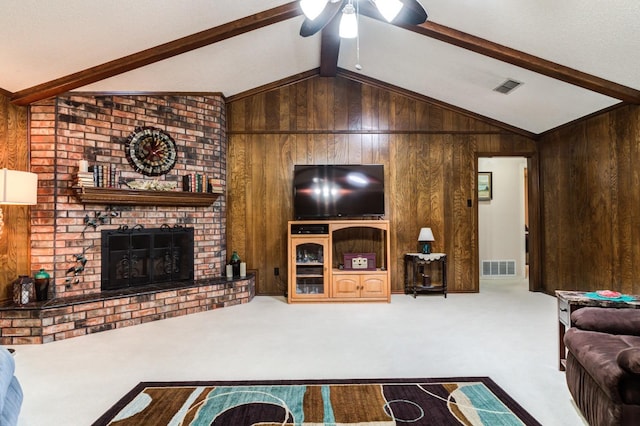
[14, 154]
[591, 203]
[429, 153]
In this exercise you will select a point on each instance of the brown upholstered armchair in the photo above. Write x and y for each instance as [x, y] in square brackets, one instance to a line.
[603, 365]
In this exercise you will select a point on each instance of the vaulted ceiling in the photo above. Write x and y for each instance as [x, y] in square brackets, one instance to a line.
[574, 57]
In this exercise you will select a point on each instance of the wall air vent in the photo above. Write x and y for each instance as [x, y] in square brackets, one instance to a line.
[498, 268]
[508, 86]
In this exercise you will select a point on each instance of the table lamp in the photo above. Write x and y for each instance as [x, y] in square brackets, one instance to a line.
[17, 188]
[424, 240]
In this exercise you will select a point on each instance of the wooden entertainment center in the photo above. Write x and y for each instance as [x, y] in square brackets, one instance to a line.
[338, 261]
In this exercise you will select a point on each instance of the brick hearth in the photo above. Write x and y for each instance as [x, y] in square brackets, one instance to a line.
[63, 318]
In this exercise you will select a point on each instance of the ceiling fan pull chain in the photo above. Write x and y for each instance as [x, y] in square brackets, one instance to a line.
[358, 66]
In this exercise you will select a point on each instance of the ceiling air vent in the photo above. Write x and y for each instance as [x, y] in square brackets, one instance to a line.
[507, 86]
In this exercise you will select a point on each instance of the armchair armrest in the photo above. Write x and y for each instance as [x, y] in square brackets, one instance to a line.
[629, 360]
[608, 320]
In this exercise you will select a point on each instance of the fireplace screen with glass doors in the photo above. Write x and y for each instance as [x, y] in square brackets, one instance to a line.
[137, 257]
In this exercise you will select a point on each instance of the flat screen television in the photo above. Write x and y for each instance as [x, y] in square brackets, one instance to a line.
[338, 191]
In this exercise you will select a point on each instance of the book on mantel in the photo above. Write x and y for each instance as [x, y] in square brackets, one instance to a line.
[197, 182]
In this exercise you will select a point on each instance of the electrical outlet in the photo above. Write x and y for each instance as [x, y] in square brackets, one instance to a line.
[276, 271]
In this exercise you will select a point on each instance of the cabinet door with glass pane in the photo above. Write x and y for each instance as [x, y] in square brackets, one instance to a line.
[308, 268]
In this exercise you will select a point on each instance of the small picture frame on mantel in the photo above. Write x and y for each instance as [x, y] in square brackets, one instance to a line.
[485, 186]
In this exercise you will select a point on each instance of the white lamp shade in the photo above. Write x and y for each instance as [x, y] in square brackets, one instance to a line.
[348, 22]
[389, 8]
[426, 235]
[18, 187]
[312, 8]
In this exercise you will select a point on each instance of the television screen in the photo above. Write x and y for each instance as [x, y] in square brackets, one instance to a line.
[326, 191]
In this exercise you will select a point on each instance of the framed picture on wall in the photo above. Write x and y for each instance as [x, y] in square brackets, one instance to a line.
[485, 186]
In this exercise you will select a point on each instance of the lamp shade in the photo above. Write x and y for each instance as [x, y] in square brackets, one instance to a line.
[18, 187]
[312, 8]
[426, 235]
[348, 22]
[389, 9]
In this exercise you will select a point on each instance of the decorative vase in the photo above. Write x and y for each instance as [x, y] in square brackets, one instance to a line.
[235, 264]
[42, 279]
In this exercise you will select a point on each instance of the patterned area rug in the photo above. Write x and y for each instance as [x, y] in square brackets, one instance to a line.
[455, 401]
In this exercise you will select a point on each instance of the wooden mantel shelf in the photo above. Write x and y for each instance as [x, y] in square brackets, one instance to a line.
[135, 197]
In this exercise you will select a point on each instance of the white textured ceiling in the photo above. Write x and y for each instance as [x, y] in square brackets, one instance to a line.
[44, 40]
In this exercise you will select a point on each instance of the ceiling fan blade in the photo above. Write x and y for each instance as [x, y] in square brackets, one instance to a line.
[367, 8]
[412, 13]
[310, 27]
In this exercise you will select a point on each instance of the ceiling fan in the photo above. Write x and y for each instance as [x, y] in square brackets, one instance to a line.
[319, 13]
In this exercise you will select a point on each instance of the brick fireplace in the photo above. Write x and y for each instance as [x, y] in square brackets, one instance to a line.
[67, 129]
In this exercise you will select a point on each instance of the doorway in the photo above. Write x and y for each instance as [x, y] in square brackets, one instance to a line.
[503, 239]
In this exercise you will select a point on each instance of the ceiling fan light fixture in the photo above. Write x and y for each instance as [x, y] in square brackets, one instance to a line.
[312, 8]
[349, 22]
[389, 9]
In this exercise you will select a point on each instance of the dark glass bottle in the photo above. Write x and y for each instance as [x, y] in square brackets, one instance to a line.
[235, 264]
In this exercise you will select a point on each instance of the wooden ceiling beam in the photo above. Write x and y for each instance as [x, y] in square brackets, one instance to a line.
[330, 48]
[156, 54]
[526, 61]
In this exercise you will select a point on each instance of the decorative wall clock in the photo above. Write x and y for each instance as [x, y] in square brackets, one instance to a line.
[151, 151]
